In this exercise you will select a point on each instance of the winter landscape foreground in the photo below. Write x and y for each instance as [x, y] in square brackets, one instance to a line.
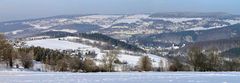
[123, 77]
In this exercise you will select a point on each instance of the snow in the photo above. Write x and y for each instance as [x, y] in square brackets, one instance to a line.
[124, 56]
[120, 27]
[66, 30]
[36, 26]
[39, 66]
[17, 31]
[134, 59]
[71, 38]
[203, 28]
[127, 20]
[158, 61]
[232, 22]
[117, 77]
[14, 32]
[56, 44]
[62, 20]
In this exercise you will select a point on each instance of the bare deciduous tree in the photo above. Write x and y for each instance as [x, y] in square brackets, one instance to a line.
[109, 59]
[197, 59]
[26, 58]
[145, 64]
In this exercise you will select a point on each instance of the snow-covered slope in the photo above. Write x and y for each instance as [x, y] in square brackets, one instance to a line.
[60, 44]
[56, 44]
[134, 59]
[65, 43]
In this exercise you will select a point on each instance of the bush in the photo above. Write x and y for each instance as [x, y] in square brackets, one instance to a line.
[75, 64]
[89, 65]
[26, 57]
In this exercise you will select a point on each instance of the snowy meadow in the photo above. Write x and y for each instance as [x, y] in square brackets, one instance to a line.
[133, 77]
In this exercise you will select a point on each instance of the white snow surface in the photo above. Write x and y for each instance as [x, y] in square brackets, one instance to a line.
[17, 31]
[202, 28]
[14, 32]
[133, 60]
[119, 77]
[39, 26]
[66, 30]
[232, 22]
[127, 20]
[71, 38]
[56, 44]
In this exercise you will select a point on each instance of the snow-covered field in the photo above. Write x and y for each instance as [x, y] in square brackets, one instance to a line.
[56, 44]
[65, 45]
[133, 77]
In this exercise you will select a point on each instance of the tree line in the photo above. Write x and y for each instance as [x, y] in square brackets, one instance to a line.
[198, 59]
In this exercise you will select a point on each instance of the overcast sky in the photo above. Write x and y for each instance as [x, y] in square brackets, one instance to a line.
[24, 9]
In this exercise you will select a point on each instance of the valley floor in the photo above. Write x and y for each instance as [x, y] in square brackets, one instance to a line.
[117, 77]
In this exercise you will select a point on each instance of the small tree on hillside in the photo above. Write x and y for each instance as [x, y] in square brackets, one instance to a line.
[109, 59]
[145, 63]
[26, 58]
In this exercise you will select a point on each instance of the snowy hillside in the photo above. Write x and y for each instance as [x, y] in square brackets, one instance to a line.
[130, 57]
[56, 44]
[133, 59]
